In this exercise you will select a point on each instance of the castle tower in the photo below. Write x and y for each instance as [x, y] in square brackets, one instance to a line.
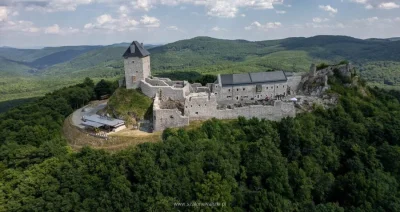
[136, 64]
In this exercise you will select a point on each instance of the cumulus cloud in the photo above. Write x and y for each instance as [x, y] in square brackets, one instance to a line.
[265, 27]
[381, 4]
[48, 5]
[388, 5]
[122, 23]
[148, 21]
[280, 11]
[18, 26]
[329, 9]
[57, 30]
[216, 8]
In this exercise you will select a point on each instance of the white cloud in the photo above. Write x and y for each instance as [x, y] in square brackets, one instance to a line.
[108, 23]
[320, 20]
[265, 27]
[18, 26]
[3, 13]
[218, 29]
[280, 11]
[388, 5]
[329, 9]
[223, 9]
[51, 5]
[243, 15]
[148, 21]
[216, 8]
[55, 29]
[381, 4]
[173, 28]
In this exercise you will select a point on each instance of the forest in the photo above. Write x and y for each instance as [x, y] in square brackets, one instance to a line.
[342, 159]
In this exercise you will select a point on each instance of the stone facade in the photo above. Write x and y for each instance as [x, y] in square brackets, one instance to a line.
[164, 118]
[136, 70]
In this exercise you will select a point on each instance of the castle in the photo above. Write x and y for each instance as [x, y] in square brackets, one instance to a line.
[176, 103]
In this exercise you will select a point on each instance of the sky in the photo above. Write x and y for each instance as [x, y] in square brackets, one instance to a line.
[39, 23]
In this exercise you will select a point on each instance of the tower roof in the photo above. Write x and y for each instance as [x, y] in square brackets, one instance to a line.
[136, 50]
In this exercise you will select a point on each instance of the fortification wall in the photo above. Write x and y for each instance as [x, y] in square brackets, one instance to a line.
[275, 113]
[166, 91]
[200, 106]
[165, 118]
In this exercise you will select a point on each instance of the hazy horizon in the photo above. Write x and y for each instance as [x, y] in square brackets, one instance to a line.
[159, 44]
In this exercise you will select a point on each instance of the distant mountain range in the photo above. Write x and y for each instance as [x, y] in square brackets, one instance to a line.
[31, 72]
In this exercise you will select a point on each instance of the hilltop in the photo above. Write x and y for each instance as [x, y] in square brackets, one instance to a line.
[32, 72]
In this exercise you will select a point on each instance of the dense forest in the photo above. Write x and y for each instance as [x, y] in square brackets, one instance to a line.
[341, 159]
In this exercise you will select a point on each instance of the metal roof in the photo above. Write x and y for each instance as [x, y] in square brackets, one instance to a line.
[136, 50]
[92, 124]
[252, 78]
[104, 120]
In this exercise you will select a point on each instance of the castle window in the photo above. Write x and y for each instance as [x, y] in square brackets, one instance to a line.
[216, 93]
[244, 88]
[197, 113]
[229, 90]
[258, 88]
[205, 104]
[229, 97]
[237, 89]
[171, 116]
[133, 61]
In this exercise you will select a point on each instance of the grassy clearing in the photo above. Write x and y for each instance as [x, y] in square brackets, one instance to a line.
[128, 103]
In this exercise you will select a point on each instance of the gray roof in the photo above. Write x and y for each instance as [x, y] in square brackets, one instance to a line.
[252, 78]
[139, 50]
[92, 124]
[103, 120]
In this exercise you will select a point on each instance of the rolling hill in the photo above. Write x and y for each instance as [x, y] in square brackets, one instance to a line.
[31, 72]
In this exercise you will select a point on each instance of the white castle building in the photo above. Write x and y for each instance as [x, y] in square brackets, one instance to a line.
[176, 103]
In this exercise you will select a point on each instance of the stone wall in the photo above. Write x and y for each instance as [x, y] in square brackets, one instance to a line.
[274, 113]
[166, 118]
[200, 106]
[166, 91]
[136, 69]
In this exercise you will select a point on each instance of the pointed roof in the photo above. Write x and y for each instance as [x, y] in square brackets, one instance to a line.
[136, 50]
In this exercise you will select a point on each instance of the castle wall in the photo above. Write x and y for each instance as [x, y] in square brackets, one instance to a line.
[274, 113]
[166, 118]
[166, 91]
[200, 106]
[136, 69]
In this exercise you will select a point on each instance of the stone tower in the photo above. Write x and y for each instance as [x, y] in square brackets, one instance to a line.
[136, 64]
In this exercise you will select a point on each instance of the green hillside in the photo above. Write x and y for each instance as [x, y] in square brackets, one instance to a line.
[46, 69]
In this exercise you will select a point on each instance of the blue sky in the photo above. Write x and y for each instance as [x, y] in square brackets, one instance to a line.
[33, 23]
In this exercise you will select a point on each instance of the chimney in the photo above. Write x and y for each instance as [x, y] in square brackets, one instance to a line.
[132, 47]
